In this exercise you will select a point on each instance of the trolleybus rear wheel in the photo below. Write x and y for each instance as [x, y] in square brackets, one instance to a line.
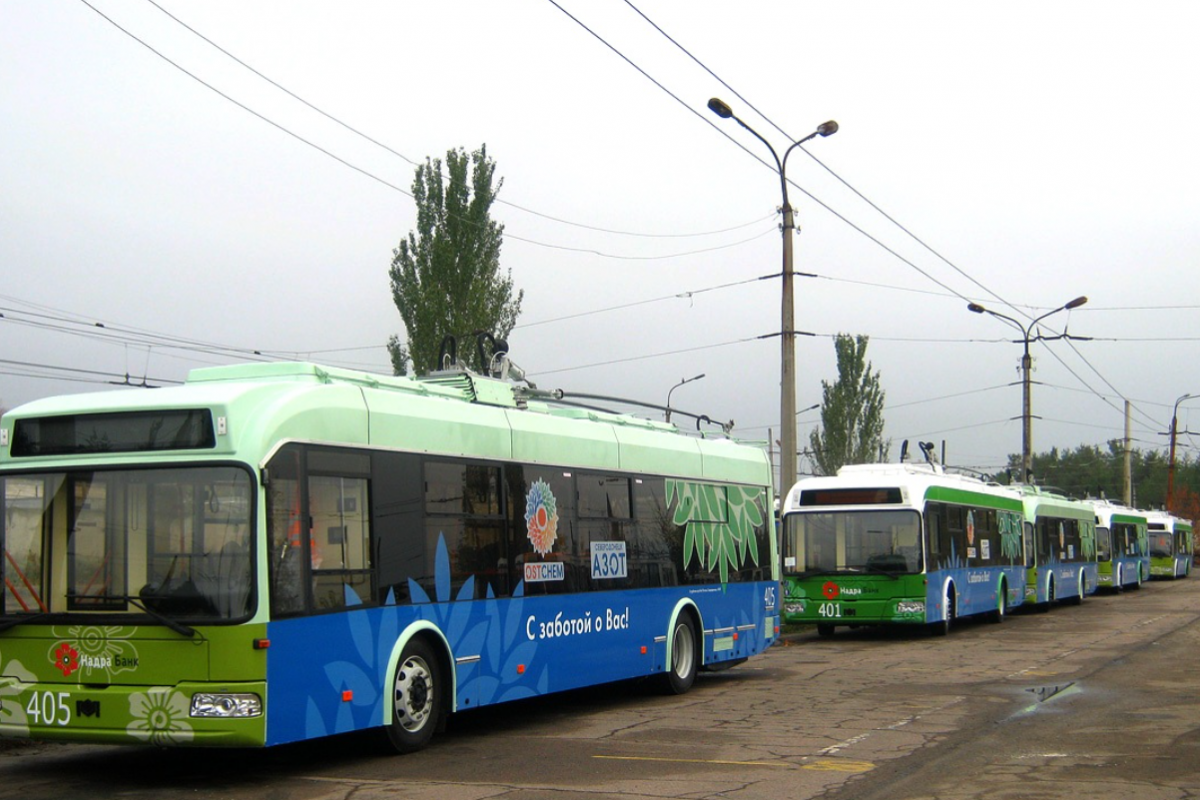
[1002, 605]
[685, 657]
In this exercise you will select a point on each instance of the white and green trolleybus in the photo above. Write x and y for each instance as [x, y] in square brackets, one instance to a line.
[1122, 546]
[1171, 547]
[1060, 547]
[277, 552]
[900, 544]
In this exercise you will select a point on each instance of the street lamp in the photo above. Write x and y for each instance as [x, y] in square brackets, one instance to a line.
[676, 386]
[787, 332]
[1026, 363]
[1171, 461]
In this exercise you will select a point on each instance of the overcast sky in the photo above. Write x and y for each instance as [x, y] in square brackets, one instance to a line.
[1034, 152]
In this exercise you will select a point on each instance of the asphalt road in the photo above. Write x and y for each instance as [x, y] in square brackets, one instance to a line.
[1100, 700]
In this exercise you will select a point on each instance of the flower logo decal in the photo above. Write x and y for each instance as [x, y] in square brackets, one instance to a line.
[94, 653]
[541, 517]
[66, 659]
[831, 590]
[159, 717]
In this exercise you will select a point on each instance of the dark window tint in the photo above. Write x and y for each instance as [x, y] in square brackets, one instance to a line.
[185, 429]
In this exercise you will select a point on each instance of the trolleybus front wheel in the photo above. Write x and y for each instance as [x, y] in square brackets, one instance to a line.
[942, 626]
[416, 698]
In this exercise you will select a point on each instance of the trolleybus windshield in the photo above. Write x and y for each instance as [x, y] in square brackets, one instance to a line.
[886, 542]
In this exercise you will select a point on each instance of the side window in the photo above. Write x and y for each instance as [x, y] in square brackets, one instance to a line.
[1109, 543]
[548, 550]
[287, 545]
[603, 497]
[463, 513]
[606, 529]
[319, 530]
[933, 526]
[656, 542]
[341, 540]
[397, 512]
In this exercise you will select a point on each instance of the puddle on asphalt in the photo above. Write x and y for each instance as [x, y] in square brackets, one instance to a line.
[1045, 694]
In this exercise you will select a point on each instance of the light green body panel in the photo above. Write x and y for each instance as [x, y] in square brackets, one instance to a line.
[114, 683]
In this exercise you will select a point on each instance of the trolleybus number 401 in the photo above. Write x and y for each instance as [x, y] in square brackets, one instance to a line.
[834, 610]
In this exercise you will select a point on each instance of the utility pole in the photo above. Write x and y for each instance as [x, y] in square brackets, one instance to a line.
[1127, 483]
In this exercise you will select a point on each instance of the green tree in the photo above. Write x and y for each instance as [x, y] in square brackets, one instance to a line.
[851, 430]
[1093, 471]
[445, 274]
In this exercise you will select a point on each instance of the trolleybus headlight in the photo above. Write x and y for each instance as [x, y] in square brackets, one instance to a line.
[910, 607]
[226, 705]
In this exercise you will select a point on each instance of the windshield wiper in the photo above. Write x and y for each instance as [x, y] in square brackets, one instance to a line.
[178, 627]
[891, 573]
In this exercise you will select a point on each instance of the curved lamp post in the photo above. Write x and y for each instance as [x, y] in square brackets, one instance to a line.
[1171, 462]
[787, 370]
[1026, 363]
[676, 386]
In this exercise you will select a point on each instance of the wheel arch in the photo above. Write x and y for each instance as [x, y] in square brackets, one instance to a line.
[421, 629]
[686, 606]
[949, 593]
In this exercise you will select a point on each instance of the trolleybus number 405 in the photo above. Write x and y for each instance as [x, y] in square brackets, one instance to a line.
[49, 708]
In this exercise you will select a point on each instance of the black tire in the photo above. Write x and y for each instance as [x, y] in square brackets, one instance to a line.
[1077, 600]
[685, 656]
[416, 698]
[1002, 606]
[1044, 607]
[824, 629]
[942, 627]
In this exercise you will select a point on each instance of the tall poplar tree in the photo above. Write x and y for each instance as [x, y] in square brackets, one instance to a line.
[445, 274]
[851, 429]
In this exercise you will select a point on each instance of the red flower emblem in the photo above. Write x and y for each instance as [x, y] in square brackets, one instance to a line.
[831, 590]
[66, 659]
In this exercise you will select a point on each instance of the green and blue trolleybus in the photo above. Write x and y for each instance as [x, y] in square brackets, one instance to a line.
[1122, 546]
[277, 552]
[1060, 547]
[904, 544]
[1170, 545]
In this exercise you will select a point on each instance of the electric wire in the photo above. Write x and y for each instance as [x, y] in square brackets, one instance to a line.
[405, 158]
[378, 179]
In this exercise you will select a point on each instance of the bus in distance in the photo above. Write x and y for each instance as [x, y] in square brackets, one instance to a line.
[1171, 545]
[900, 544]
[1060, 547]
[278, 552]
[1122, 546]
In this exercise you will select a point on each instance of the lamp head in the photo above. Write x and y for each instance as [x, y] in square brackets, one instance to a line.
[718, 107]
[978, 309]
[827, 128]
[1076, 303]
